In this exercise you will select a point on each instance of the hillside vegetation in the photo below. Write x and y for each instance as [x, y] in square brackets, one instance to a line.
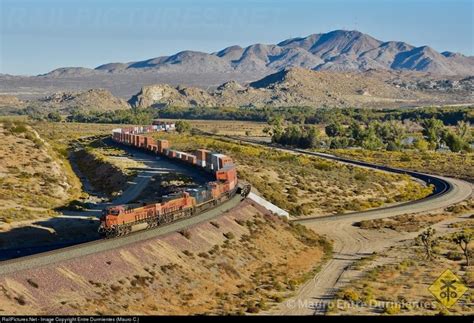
[32, 180]
[460, 165]
[230, 265]
[307, 185]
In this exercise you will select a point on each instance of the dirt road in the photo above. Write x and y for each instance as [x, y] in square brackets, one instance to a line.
[352, 243]
[73, 227]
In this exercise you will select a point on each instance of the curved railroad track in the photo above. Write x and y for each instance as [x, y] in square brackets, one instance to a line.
[352, 243]
[442, 185]
[63, 251]
[82, 249]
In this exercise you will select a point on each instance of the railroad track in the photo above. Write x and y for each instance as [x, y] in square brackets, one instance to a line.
[352, 244]
[441, 185]
[83, 249]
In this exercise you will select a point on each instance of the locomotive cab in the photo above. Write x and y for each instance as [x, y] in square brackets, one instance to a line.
[109, 218]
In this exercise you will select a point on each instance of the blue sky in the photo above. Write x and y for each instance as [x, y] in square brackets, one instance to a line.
[37, 36]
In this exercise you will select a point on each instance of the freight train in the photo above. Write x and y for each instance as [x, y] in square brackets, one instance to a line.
[123, 219]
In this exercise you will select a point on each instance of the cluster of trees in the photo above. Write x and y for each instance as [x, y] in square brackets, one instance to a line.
[376, 135]
[324, 115]
[295, 115]
[390, 135]
[304, 136]
[438, 135]
[131, 116]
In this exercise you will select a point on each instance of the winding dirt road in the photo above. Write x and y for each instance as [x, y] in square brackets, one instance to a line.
[352, 243]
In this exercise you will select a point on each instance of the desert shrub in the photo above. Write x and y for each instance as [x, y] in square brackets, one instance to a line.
[240, 222]
[203, 255]
[348, 294]
[185, 233]
[229, 235]
[454, 255]
[392, 309]
[360, 176]
[215, 224]
[458, 208]
[19, 128]
[252, 307]
[188, 253]
[405, 158]
[32, 283]
[21, 300]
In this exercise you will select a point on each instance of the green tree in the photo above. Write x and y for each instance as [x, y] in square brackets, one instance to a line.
[454, 142]
[433, 131]
[334, 129]
[371, 140]
[54, 116]
[464, 131]
[182, 126]
[310, 138]
[357, 133]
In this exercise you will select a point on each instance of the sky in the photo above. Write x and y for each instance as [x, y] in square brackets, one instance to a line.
[37, 36]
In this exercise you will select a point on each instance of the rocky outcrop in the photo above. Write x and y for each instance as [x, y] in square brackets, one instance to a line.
[10, 101]
[91, 100]
[290, 87]
[159, 95]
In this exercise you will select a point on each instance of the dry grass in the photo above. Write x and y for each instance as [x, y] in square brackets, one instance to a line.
[35, 173]
[416, 222]
[228, 127]
[230, 268]
[460, 165]
[107, 168]
[307, 185]
[31, 179]
[402, 287]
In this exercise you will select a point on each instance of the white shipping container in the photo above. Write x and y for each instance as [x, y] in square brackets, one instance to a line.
[215, 160]
[201, 163]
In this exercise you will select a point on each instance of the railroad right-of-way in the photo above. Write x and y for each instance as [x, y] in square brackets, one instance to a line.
[88, 248]
[352, 243]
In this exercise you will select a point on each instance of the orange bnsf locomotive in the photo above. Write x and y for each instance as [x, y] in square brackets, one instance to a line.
[123, 219]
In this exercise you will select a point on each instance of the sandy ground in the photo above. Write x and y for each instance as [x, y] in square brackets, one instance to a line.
[352, 243]
[228, 265]
[27, 237]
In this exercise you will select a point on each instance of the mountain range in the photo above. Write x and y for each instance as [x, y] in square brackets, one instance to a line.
[339, 51]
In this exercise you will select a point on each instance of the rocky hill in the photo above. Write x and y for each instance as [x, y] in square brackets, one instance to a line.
[68, 102]
[338, 50]
[295, 87]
